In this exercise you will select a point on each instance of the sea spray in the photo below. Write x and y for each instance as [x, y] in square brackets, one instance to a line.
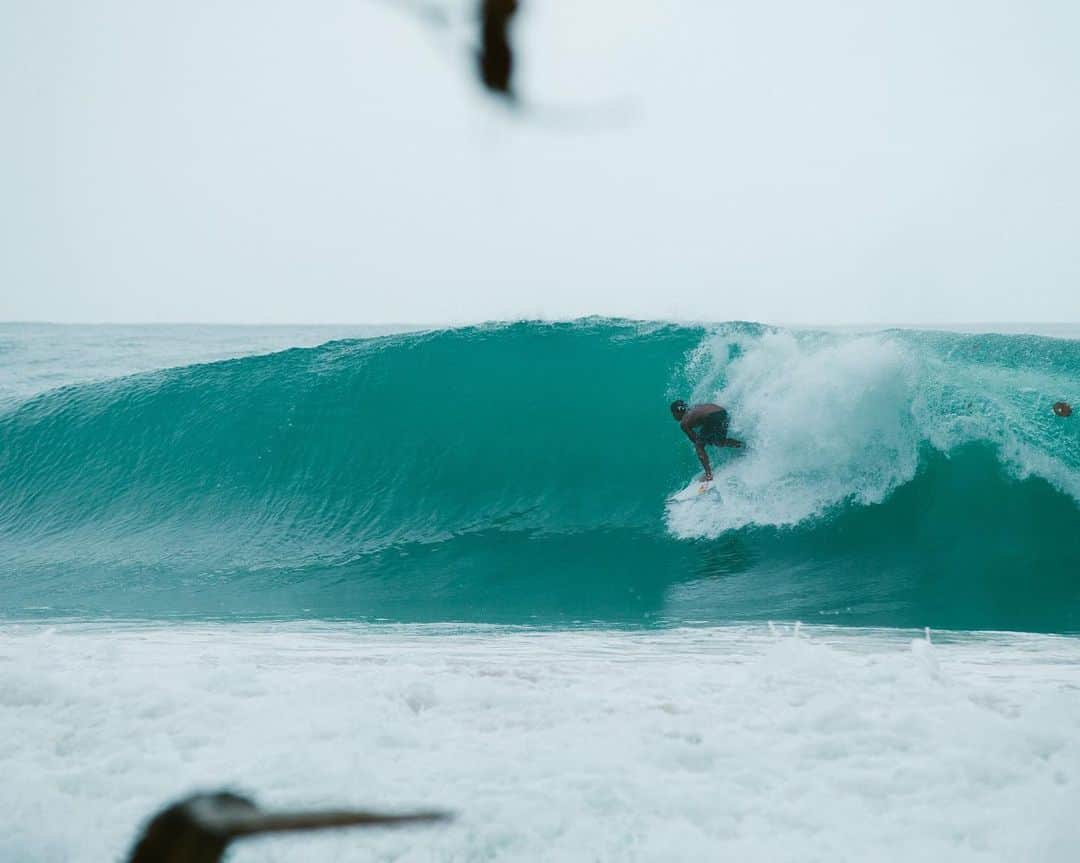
[827, 420]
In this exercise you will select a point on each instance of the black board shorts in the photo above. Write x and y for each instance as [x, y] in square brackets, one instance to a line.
[713, 429]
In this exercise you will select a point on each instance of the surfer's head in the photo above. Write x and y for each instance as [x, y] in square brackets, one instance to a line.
[678, 409]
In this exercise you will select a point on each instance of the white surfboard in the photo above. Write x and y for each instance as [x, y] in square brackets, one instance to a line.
[698, 488]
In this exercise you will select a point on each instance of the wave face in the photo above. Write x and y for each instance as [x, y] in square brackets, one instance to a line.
[521, 473]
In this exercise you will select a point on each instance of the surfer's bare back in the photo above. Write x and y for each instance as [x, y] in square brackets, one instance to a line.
[711, 422]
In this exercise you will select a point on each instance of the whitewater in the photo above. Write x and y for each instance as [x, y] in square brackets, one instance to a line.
[439, 567]
[739, 742]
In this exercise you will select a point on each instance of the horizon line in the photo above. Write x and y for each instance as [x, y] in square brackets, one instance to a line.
[542, 319]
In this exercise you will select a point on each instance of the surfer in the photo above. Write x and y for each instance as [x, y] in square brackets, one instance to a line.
[711, 422]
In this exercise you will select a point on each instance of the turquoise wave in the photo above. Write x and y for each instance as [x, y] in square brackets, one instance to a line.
[521, 473]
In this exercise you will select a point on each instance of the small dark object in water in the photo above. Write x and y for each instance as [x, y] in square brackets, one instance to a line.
[1063, 409]
[198, 829]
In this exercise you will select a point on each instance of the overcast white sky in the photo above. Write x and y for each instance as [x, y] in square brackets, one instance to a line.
[334, 161]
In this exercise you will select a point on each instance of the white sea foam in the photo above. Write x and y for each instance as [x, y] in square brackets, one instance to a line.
[731, 743]
[831, 418]
[826, 419]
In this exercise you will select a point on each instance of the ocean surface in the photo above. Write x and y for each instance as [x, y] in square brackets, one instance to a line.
[400, 566]
[520, 474]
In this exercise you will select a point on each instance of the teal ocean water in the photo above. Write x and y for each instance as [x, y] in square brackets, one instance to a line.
[521, 473]
[442, 569]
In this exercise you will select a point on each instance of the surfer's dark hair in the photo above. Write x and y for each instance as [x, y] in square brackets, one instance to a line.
[678, 406]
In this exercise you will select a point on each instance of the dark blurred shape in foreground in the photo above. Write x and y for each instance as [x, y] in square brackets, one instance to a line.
[200, 828]
[496, 57]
